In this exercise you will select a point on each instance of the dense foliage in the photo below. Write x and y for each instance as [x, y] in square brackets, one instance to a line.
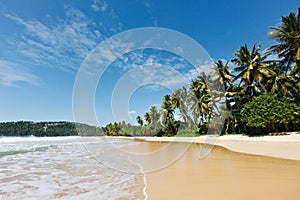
[61, 128]
[272, 113]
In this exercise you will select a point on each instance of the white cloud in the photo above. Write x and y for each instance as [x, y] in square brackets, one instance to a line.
[158, 76]
[152, 88]
[99, 5]
[160, 72]
[103, 7]
[10, 74]
[63, 44]
[139, 58]
[132, 112]
[56, 42]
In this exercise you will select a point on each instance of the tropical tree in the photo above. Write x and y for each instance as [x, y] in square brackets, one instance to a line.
[251, 68]
[170, 124]
[140, 120]
[179, 99]
[200, 102]
[168, 108]
[147, 118]
[223, 82]
[280, 83]
[154, 114]
[222, 74]
[288, 36]
[271, 111]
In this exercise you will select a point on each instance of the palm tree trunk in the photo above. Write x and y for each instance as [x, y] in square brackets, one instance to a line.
[227, 121]
[298, 65]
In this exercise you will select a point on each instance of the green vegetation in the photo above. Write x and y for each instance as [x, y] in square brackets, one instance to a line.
[261, 95]
[251, 94]
[272, 113]
[41, 129]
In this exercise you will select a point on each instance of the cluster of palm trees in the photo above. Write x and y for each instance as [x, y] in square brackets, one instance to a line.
[251, 73]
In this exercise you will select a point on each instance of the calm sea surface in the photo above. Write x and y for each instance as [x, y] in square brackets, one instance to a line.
[68, 168]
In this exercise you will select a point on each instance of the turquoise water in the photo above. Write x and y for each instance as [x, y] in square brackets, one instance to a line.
[67, 168]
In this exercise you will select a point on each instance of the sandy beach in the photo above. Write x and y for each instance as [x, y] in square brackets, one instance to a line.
[232, 167]
[286, 146]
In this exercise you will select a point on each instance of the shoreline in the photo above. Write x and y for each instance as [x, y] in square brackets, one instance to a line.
[284, 146]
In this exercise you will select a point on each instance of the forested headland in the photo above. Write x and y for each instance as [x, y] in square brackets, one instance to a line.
[49, 129]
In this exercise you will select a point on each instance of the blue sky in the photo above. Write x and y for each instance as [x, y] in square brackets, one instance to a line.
[43, 44]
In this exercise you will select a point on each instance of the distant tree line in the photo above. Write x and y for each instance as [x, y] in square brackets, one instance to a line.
[49, 129]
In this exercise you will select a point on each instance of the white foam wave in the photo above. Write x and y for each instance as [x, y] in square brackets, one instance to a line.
[65, 172]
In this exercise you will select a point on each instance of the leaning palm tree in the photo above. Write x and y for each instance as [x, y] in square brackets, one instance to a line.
[288, 36]
[222, 74]
[251, 68]
[223, 81]
[179, 99]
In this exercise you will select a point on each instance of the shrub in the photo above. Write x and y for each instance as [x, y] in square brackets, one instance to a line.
[271, 112]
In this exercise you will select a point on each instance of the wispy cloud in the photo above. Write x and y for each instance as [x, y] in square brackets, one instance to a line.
[99, 5]
[155, 72]
[63, 44]
[11, 73]
[160, 68]
[54, 42]
[148, 4]
[150, 57]
[132, 112]
[103, 7]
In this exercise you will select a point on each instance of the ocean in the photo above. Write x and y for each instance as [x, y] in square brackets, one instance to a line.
[68, 168]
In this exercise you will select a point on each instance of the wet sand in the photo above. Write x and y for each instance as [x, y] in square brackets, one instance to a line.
[222, 174]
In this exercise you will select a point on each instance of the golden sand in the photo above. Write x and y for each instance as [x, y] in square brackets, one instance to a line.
[222, 174]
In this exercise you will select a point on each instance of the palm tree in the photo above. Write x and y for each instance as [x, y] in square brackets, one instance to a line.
[168, 108]
[154, 114]
[288, 36]
[140, 120]
[170, 124]
[179, 98]
[251, 68]
[280, 83]
[297, 93]
[200, 100]
[222, 74]
[147, 118]
[223, 78]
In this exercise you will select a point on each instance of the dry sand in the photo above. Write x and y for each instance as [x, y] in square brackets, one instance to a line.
[287, 146]
[222, 174]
